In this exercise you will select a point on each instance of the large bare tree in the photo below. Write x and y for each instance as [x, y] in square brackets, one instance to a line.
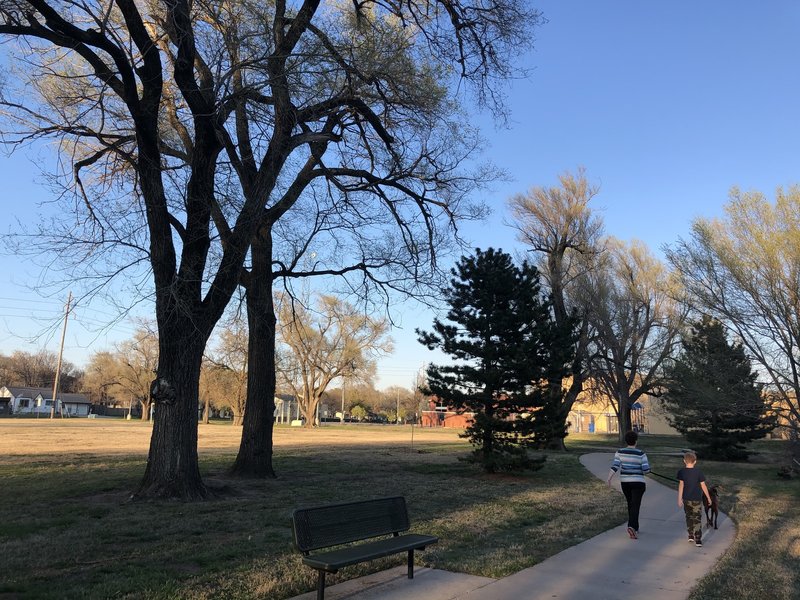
[38, 370]
[325, 342]
[137, 362]
[557, 224]
[637, 321]
[744, 270]
[217, 141]
[225, 369]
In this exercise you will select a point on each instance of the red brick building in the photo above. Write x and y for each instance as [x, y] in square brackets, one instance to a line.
[442, 416]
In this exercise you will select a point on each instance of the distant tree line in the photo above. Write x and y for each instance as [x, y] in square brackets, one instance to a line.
[26, 369]
[317, 342]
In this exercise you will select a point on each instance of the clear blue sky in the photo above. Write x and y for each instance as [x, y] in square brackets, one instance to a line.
[666, 104]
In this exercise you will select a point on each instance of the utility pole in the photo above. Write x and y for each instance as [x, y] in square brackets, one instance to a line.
[60, 355]
[397, 414]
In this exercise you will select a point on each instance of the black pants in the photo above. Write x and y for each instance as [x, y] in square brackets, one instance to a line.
[633, 491]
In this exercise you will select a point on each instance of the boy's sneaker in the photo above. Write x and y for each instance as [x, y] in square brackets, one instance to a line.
[632, 533]
[698, 543]
[691, 539]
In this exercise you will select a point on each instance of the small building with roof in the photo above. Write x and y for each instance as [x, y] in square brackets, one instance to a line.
[37, 401]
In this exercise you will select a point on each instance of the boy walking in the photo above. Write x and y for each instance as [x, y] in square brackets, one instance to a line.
[632, 465]
[691, 487]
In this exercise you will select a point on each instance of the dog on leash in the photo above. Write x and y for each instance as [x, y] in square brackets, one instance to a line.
[712, 508]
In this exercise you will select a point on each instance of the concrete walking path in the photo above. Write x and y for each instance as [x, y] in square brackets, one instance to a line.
[660, 565]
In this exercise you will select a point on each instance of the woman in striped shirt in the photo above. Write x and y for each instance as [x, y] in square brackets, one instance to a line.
[632, 466]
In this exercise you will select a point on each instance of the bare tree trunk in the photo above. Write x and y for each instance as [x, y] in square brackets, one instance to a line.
[310, 412]
[488, 441]
[570, 397]
[623, 396]
[145, 404]
[255, 450]
[172, 465]
[624, 414]
[575, 387]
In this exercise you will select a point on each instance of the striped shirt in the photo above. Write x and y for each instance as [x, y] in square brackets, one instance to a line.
[631, 463]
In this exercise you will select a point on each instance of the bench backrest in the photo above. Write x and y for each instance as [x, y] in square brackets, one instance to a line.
[324, 526]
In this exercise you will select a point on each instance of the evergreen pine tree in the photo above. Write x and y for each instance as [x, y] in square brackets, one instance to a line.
[506, 349]
[713, 397]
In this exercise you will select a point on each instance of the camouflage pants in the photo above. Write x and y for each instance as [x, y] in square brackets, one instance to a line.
[694, 518]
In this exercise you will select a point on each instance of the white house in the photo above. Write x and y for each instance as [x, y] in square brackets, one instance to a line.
[19, 399]
[286, 408]
[32, 401]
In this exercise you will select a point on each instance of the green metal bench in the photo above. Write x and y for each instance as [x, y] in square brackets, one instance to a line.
[338, 524]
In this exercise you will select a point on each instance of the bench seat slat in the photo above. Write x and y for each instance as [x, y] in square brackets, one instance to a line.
[336, 559]
[336, 524]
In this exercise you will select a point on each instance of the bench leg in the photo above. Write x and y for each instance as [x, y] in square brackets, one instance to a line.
[321, 586]
[411, 564]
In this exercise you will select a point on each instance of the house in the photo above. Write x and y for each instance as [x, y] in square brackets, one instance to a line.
[784, 408]
[593, 413]
[20, 400]
[39, 401]
[75, 405]
[286, 408]
[442, 416]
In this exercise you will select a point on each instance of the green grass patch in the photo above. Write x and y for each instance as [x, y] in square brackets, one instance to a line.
[68, 529]
[763, 560]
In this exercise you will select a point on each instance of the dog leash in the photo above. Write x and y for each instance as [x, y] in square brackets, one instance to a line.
[684, 451]
[663, 476]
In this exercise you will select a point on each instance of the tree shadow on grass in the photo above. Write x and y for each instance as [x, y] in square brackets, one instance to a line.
[73, 534]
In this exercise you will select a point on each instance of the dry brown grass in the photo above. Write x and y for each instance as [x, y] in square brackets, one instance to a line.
[31, 437]
[67, 529]
[65, 517]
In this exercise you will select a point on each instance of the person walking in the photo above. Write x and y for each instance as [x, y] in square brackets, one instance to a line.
[632, 465]
[691, 487]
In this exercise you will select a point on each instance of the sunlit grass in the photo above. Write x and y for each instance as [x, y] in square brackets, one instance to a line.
[68, 530]
[764, 558]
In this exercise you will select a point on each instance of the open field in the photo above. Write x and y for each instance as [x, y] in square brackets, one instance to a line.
[25, 437]
[67, 529]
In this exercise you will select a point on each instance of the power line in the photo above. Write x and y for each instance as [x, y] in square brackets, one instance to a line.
[27, 309]
[55, 302]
